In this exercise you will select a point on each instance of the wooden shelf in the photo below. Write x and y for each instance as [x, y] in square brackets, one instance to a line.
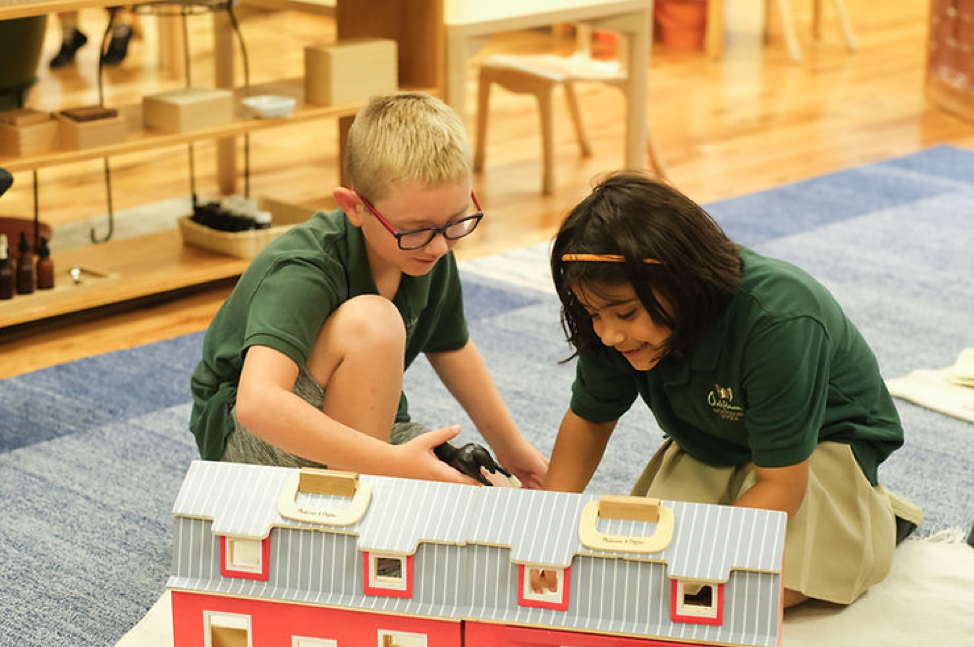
[118, 271]
[139, 140]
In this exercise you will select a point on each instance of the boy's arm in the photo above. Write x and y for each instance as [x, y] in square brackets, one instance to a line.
[578, 450]
[268, 408]
[465, 375]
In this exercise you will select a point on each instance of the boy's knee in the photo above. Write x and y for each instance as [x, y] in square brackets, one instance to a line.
[366, 328]
[368, 321]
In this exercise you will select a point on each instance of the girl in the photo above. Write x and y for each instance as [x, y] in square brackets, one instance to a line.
[768, 395]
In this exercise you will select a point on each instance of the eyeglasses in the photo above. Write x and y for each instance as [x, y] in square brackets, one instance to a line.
[421, 237]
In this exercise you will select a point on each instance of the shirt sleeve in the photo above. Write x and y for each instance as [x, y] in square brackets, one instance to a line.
[787, 391]
[289, 306]
[603, 389]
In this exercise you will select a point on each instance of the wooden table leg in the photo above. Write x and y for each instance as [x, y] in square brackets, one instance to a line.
[223, 55]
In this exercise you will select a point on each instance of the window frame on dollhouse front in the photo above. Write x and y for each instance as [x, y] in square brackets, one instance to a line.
[375, 584]
[228, 568]
[557, 599]
[680, 611]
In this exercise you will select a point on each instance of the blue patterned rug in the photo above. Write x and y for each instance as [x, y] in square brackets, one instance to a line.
[92, 452]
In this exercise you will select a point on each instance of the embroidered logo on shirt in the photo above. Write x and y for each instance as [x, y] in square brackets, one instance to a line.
[721, 401]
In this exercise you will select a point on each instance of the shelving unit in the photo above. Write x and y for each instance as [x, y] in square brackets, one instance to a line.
[140, 140]
[153, 264]
[143, 266]
[148, 265]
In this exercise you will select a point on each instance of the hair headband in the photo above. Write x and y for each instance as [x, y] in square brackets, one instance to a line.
[609, 258]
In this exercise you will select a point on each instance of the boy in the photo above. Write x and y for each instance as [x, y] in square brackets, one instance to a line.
[303, 364]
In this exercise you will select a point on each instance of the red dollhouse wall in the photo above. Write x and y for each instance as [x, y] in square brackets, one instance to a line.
[275, 623]
[489, 635]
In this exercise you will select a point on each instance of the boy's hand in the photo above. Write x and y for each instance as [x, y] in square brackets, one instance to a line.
[415, 458]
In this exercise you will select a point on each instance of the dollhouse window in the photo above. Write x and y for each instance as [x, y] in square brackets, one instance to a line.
[226, 629]
[400, 639]
[302, 641]
[245, 558]
[697, 602]
[387, 574]
[546, 588]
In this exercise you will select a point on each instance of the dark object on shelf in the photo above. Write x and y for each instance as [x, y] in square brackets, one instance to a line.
[69, 47]
[25, 266]
[90, 113]
[970, 537]
[21, 43]
[45, 266]
[118, 47]
[6, 180]
[6, 274]
[469, 459]
[214, 216]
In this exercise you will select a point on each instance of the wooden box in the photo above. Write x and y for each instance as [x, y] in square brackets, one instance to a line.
[350, 70]
[245, 244]
[27, 132]
[187, 110]
[75, 134]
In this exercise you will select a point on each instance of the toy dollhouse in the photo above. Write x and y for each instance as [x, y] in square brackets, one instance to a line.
[269, 556]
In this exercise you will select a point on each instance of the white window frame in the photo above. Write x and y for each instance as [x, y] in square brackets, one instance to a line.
[254, 548]
[551, 597]
[308, 641]
[227, 621]
[389, 583]
[696, 610]
[401, 638]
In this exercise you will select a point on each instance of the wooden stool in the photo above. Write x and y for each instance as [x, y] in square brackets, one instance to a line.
[715, 26]
[540, 75]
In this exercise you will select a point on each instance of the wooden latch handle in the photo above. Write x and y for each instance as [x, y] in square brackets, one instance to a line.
[613, 506]
[317, 481]
[627, 508]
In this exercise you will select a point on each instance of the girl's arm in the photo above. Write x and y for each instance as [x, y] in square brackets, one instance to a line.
[465, 375]
[578, 451]
[777, 488]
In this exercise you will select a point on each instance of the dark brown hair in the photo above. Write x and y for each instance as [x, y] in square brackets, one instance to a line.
[633, 216]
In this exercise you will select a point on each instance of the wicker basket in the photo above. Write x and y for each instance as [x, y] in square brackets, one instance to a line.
[244, 244]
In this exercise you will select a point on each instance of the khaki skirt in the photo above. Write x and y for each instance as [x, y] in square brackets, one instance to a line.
[838, 544]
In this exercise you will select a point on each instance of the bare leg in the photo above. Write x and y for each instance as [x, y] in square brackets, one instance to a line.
[358, 358]
[793, 598]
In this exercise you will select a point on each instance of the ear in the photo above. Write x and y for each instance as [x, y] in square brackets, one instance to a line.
[349, 202]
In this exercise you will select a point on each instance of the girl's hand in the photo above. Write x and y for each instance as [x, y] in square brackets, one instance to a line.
[526, 463]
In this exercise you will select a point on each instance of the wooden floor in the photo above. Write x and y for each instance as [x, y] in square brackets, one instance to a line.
[749, 121]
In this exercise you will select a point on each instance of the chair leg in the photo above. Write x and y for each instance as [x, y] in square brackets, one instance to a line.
[788, 27]
[483, 101]
[584, 146]
[817, 19]
[545, 112]
[714, 29]
[845, 25]
[654, 157]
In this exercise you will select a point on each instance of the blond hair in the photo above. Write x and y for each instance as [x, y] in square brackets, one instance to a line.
[403, 138]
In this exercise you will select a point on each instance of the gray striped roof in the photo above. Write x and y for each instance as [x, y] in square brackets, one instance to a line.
[539, 527]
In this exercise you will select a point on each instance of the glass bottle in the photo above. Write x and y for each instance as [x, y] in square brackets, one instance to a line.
[45, 266]
[25, 266]
[6, 273]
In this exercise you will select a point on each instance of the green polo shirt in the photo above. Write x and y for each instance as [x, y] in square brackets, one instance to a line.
[781, 370]
[283, 299]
